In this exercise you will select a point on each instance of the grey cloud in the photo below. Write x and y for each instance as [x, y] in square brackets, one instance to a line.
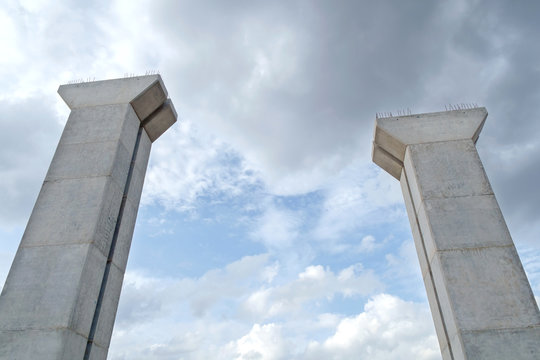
[512, 101]
[329, 67]
[351, 59]
[514, 180]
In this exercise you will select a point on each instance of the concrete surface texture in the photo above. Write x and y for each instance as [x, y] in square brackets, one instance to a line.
[61, 295]
[480, 298]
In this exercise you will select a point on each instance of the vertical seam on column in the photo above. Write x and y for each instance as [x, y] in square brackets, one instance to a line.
[429, 267]
[110, 256]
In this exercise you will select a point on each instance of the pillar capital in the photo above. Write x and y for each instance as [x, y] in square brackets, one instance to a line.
[394, 134]
[146, 94]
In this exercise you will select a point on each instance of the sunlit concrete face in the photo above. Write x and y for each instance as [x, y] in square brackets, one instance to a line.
[481, 301]
[61, 295]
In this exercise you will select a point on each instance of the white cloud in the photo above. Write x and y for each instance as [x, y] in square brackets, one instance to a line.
[402, 271]
[197, 340]
[360, 192]
[313, 285]
[264, 342]
[367, 244]
[277, 228]
[28, 148]
[186, 164]
[404, 261]
[389, 328]
[6, 256]
[530, 258]
[8, 39]
[217, 325]
[46, 41]
[145, 297]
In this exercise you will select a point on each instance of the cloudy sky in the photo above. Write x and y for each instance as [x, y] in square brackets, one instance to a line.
[265, 232]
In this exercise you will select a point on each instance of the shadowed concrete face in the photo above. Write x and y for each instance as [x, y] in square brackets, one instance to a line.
[481, 301]
[61, 294]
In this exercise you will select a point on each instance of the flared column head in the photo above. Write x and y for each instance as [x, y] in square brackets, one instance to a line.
[146, 94]
[394, 134]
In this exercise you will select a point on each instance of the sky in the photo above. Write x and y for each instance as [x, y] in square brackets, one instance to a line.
[265, 231]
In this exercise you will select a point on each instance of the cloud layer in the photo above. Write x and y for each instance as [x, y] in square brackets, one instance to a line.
[265, 231]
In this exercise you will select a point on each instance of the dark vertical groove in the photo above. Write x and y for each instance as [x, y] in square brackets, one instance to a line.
[95, 319]
[439, 309]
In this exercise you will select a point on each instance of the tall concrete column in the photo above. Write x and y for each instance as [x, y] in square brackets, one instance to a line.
[60, 297]
[481, 301]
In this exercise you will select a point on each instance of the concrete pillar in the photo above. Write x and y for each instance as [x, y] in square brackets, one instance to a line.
[481, 301]
[60, 297]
